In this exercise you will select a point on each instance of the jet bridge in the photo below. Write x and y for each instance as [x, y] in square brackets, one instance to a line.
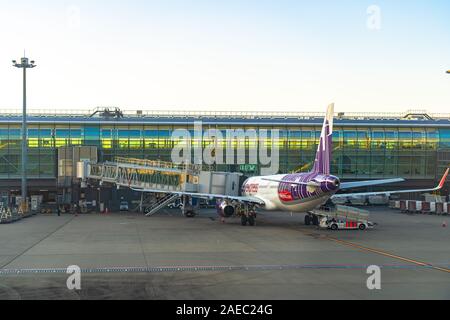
[162, 176]
[146, 174]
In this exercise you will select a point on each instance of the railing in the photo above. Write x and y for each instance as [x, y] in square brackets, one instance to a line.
[159, 164]
[345, 212]
[161, 203]
[145, 174]
[222, 114]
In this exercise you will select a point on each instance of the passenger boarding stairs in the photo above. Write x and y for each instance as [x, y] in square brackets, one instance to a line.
[344, 212]
[160, 204]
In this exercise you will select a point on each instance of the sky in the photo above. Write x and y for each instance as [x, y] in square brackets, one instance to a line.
[255, 55]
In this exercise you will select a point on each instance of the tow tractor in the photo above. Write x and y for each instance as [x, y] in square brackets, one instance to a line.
[344, 218]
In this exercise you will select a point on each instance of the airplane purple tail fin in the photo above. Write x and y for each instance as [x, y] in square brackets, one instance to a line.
[322, 163]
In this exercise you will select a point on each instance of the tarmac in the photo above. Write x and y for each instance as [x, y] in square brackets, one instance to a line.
[167, 256]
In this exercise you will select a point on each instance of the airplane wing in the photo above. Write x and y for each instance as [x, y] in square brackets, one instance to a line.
[365, 194]
[359, 184]
[254, 200]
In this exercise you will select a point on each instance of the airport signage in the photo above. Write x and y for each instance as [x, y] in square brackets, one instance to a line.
[248, 168]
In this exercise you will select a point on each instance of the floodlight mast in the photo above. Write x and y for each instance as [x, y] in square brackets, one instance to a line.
[24, 64]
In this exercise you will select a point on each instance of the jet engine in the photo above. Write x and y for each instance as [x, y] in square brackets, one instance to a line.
[226, 209]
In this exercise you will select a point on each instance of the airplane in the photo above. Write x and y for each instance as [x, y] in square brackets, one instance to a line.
[295, 193]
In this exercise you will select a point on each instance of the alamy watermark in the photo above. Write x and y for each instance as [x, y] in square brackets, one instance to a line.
[73, 15]
[74, 280]
[374, 281]
[229, 146]
[374, 18]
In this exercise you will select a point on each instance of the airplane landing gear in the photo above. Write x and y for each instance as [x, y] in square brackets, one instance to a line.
[190, 214]
[311, 219]
[307, 220]
[315, 220]
[248, 216]
[250, 220]
[188, 209]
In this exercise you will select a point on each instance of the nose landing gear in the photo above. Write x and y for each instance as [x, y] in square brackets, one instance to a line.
[311, 219]
[248, 216]
[250, 220]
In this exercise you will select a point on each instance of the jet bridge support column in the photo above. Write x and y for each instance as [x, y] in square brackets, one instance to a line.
[141, 203]
[190, 206]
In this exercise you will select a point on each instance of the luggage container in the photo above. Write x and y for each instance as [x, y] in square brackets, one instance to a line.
[430, 208]
[440, 208]
[404, 206]
[426, 207]
[397, 205]
[433, 208]
[340, 201]
[418, 206]
[412, 206]
[378, 200]
[359, 201]
[392, 204]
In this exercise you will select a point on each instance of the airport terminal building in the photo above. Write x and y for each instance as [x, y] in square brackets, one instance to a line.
[413, 145]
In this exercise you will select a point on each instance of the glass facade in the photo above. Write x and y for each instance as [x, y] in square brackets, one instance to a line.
[360, 152]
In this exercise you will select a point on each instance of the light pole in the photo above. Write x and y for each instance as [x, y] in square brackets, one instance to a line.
[24, 64]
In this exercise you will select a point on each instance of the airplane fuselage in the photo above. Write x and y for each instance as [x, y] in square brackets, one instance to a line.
[311, 191]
